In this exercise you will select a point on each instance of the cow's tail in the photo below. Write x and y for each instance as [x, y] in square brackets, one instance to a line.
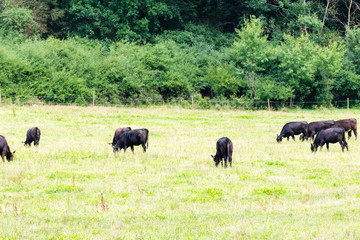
[147, 140]
[38, 133]
[229, 148]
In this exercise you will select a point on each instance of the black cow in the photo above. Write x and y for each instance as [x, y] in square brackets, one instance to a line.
[133, 138]
[118, 133]
[330, 135]
[224, 149]
[32, 135]
[5, 149]
[349, 125]
[315, 127]
[293, 128]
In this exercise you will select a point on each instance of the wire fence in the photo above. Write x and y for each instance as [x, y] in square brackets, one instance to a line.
[193, 102]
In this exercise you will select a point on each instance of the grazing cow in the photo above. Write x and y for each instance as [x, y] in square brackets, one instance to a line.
[293, 128]
[32, 135]
[315, 127]
[5, 149]
[349, 125]
[224, 149]
[330, 135]
[133, 138]
[118, 133]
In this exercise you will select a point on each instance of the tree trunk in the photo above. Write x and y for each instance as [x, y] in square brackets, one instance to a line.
[325, 15]
[349, 12]
[305, 28]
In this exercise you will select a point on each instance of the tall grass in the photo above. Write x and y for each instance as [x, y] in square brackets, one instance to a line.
[73, 187]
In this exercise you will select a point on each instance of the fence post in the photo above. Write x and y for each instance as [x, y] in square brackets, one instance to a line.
[93, 98]
[348, 105]
[192, 102]
[268, 105]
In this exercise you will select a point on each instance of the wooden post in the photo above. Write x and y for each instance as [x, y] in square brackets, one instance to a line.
[348, 105]
[192, 102]
[268, 105]
[93, 98]
[0, 97]
[290, 102]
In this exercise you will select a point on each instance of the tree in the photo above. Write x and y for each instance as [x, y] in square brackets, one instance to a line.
[18, 19]
[248, 53]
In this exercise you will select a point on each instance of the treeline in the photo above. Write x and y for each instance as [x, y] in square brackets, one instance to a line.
[59, 63]
[142, 20]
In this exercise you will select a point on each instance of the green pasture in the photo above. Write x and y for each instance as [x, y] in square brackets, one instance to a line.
[73, 186]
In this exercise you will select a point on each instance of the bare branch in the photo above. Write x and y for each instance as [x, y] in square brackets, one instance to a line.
[349, 12]
[325, 15]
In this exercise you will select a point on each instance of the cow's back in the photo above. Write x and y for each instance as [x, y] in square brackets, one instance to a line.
[295, 127]
[3, 143]
[118, 133]
[347, 124]
[224, 146]
[320, 125]
[134, 137]
[330, 135]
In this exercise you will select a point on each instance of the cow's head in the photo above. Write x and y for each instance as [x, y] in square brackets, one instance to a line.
[314, 147]
[10, 156]
[115, 149]
[216, 159]
[278, 138]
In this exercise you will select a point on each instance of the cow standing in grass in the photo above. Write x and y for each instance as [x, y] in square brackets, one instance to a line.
[224, 150]
[293, 128]
[330, 135]
[5, 150]
[133, 138]
[315, 127]
[32, 135]
[118, 133]
[349, 125]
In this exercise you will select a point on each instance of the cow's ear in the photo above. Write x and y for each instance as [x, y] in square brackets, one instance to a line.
[212, 156]
[109, 143]
[14, 152]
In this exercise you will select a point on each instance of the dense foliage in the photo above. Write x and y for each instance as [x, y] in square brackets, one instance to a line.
[243, 52]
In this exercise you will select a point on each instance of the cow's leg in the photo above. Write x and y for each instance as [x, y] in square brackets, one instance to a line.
[312, 136]
[132, 148]
[225, 159]
[342, 145]
[144, 147]
[327, 146]
[355, 133]
[293, 137]
[349, 134]
[3, 154]
[230, 160]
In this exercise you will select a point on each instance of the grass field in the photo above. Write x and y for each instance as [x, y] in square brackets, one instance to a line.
[73, 187]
